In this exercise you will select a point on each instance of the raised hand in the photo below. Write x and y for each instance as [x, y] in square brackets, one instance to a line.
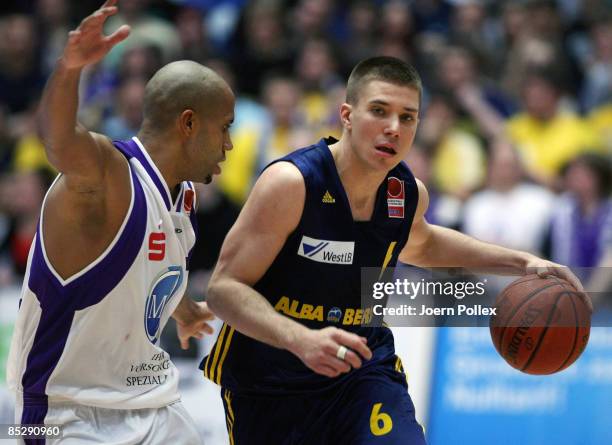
[87, 44]
[332, 351]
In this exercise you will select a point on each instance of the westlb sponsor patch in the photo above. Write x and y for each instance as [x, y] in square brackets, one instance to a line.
[395, 197]
[325, 251]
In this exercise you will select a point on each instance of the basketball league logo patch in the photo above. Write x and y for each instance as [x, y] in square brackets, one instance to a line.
[188, 200]
[395, 197]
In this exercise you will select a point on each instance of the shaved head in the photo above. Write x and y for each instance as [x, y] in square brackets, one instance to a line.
[179, 86]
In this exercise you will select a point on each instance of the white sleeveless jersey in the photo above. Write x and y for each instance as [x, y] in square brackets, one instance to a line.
[93, 339]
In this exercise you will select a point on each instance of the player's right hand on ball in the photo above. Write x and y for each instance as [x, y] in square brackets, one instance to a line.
[87, 44]
[318, 349]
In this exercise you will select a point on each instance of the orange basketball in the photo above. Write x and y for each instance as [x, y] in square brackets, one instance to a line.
[541, 325]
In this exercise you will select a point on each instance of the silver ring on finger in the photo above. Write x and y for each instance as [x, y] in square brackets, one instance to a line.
[341, 352]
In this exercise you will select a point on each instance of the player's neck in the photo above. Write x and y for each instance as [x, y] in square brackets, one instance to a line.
[359, 181]
[358, 178]
[163, 159]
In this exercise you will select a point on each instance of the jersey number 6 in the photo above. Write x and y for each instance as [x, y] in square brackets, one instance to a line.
[380, 423]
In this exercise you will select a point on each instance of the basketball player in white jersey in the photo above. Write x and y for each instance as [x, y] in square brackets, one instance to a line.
[109, 263]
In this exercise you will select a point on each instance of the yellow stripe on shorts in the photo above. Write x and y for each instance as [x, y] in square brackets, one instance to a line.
[227, 395]
[213, 357]
[225, 349]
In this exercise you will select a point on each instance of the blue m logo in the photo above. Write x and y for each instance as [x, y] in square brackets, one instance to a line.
[162, 290]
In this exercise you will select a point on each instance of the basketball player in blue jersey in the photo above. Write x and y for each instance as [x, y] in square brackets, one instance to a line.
[294, 362]
[109, 263]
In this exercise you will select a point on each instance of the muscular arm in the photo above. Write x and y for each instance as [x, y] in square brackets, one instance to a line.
[250, 248]
[271, 213]
[80, 155]
[90, 200]
[434, 246]
[70, 148]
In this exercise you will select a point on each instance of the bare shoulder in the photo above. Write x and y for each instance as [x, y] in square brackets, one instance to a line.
[271, 213]
[423, 200]
[282, 174]
[278, 196]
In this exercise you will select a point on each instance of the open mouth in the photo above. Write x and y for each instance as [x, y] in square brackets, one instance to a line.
[386, 149]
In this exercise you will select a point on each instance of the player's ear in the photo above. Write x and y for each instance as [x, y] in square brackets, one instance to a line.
[186, 122]
[345, 115]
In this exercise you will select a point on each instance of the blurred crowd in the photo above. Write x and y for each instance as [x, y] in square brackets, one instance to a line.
[515, 136]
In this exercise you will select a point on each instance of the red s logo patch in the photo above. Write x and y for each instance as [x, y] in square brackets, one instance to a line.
[157, 246]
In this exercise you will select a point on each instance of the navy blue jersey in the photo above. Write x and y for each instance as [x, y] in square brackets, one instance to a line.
[316, 277]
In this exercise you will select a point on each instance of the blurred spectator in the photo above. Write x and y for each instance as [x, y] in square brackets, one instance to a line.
[240, 165]
[513, 20]
[260, 45]
[537, 40]
[255, 144]
[21, 196]
[432, 16]
[281, 97]
[316, 66]
[7, 142]
[54, 23]
[192, 32]
[473, 29]
[99, 83]
[146, 30]
[601, 120]
[396, 24]
[546, 135]
[126, 120]
[477, 96]
[21, 77]
[360, 40]
[397, 36]
[29, 152]
[140, 62]
[316, 71]
[597, 86]
[509, 211]
[458, 156]
[311, 19]
[443, 208]
[583, 216]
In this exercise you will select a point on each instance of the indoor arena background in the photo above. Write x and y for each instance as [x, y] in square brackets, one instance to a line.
[514, 143]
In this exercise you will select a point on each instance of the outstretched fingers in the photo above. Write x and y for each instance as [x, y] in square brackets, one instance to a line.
[95, 20]
[118, 36]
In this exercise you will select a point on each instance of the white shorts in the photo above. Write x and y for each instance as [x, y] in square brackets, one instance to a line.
[81, 424]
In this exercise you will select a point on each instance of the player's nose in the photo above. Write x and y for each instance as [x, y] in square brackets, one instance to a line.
[228, 144]
[392, 127]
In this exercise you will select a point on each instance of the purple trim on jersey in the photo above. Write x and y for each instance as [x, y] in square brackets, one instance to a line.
[131, 150]
[59, 303]
[179, 202]
[37, 410]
